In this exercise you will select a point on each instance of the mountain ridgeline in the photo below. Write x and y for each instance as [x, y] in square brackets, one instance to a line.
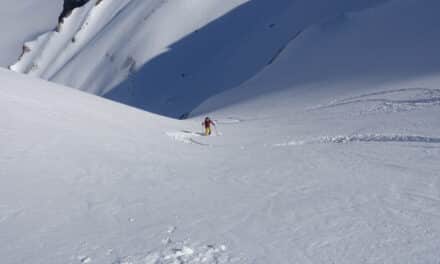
[169, 57]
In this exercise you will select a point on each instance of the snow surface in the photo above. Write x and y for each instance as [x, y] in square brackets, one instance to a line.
[338, 180]
[172, 55]
[329, 154]
[392, 43]
[22, 21]
[109, 39]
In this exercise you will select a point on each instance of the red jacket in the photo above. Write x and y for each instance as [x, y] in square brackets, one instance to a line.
[208, 122]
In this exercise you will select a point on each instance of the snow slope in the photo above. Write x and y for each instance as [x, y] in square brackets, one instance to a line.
[347, 179]
[22, 21]
[388, 45]
[172, 55]
[328, 155]
[106, 37]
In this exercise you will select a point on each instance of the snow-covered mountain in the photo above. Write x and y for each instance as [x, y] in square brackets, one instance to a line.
[22, 21]
[395, 42]
[326, 148]
[169, 56]
[101, 43]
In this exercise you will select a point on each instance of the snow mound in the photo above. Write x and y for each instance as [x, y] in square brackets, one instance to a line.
[182, 253]
[184, 136]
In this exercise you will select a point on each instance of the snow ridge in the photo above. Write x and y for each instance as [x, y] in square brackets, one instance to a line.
[168, 57]
[381, 138]
[45, 56]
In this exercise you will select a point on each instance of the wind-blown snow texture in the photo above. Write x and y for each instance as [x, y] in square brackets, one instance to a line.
[327, 154]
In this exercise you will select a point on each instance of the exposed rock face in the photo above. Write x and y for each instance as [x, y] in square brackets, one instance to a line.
[69, 5]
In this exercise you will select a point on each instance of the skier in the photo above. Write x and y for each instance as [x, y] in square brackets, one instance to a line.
[207, 125]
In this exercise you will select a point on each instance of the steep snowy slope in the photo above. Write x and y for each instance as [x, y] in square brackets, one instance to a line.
[224, 53]
[391, 44]
[172, 55]
[310, 175]
[328, 155]
[22, 21]
[114, 35]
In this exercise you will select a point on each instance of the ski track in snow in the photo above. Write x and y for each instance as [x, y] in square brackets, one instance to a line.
[380, 138]
[410, 99]
[7, 215]
[187, 137]
[228, 121]
[84, 259]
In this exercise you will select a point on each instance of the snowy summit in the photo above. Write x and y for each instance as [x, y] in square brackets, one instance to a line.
[219, 131]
